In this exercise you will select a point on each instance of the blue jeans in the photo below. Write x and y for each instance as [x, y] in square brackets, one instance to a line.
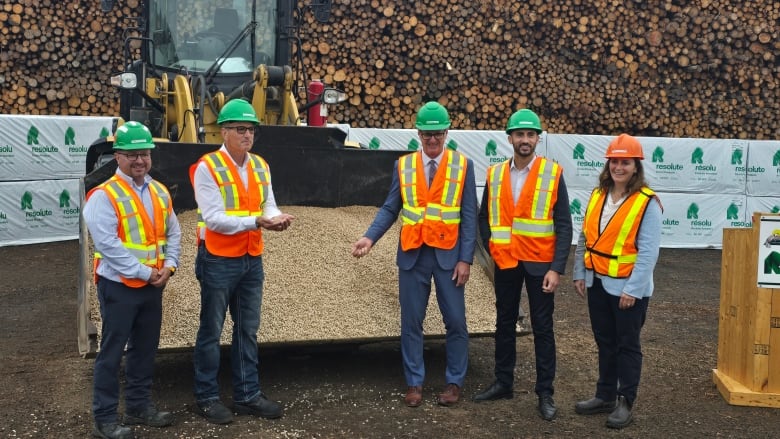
[234, 284]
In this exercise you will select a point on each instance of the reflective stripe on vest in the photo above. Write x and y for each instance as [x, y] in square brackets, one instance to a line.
[522, 230]
[613, 251]
[239, 201]
[143, 237]
[431, 215]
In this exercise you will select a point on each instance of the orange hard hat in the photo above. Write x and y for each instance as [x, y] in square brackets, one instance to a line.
[625, 146]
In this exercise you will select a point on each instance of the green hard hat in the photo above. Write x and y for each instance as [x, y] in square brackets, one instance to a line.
[237, 110]
[523, 119]
[133, 135]
[432, 117]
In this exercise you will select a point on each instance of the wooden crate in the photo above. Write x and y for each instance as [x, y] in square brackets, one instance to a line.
[748, 371]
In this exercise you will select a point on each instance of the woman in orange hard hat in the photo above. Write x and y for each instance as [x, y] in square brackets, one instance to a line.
[613, 267]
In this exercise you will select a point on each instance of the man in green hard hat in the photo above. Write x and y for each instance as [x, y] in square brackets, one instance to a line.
[524, 221]
[235, 203]
[434, 192]
[137, 244]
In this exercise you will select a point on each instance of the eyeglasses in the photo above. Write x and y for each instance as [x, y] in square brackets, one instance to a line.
[241, 130]
[427, 136]
[134, 156]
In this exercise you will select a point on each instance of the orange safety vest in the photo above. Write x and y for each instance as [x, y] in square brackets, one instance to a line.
[142, 238]
[522, 231]
[613, 251]
[239, 201]
[431, 215]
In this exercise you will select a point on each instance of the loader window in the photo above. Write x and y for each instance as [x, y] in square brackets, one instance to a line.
[192, 34]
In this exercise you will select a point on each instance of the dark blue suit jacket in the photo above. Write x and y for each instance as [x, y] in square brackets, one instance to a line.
[467, 234]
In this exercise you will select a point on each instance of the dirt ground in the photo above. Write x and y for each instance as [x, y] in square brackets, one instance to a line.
[356, 391]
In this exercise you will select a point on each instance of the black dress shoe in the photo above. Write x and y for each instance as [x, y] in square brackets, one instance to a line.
[112, 430]
[594, 406]
[621, 416]
[547, 408]
[494, 392]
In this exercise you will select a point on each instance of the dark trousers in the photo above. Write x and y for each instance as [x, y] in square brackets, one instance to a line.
[130, 317]
[617, 336]
[508, 287]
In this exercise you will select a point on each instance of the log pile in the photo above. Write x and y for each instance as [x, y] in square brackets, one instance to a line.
[668, 68]
[708, 69]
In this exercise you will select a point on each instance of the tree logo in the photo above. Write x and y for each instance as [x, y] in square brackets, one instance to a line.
[697, 156]
[375, 143]
[732, 212]
[575, 207]
[65, 198]
[776, 158]
[104, 132]
[736, 157]
[453, 145]
[658, 155]
[491, 148]
[70, 136]
[413, 145]
[27, 201]
[32, 135]
[776, 209]
[693, 211]
[579, 152]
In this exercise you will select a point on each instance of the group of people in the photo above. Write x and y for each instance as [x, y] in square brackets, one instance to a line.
[523, 220]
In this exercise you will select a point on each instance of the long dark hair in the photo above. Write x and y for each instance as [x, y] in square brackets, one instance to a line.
[636, 182]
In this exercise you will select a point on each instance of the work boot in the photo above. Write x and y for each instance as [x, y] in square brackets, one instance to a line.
[215, 412]
[112, 430]
[149, 416]
[594, 406]
[621, 416]
[260, 406]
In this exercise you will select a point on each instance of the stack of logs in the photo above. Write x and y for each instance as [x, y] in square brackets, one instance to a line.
[668, 68]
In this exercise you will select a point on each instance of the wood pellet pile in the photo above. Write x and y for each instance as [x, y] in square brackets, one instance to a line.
[315, 291]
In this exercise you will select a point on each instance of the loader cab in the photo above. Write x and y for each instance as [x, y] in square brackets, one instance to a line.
[215, 44]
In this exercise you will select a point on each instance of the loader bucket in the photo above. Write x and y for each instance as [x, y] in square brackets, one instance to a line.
[310, 166]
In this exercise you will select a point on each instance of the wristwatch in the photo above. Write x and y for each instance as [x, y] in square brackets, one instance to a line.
[173, 270]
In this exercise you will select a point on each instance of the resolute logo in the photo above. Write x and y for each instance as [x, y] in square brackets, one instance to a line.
[413, 145]
[29, 210]
[452, 144]
[374, 143]
[776, 158]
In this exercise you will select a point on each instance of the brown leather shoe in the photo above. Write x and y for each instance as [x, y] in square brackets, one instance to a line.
[450, 395]
[413, 396]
